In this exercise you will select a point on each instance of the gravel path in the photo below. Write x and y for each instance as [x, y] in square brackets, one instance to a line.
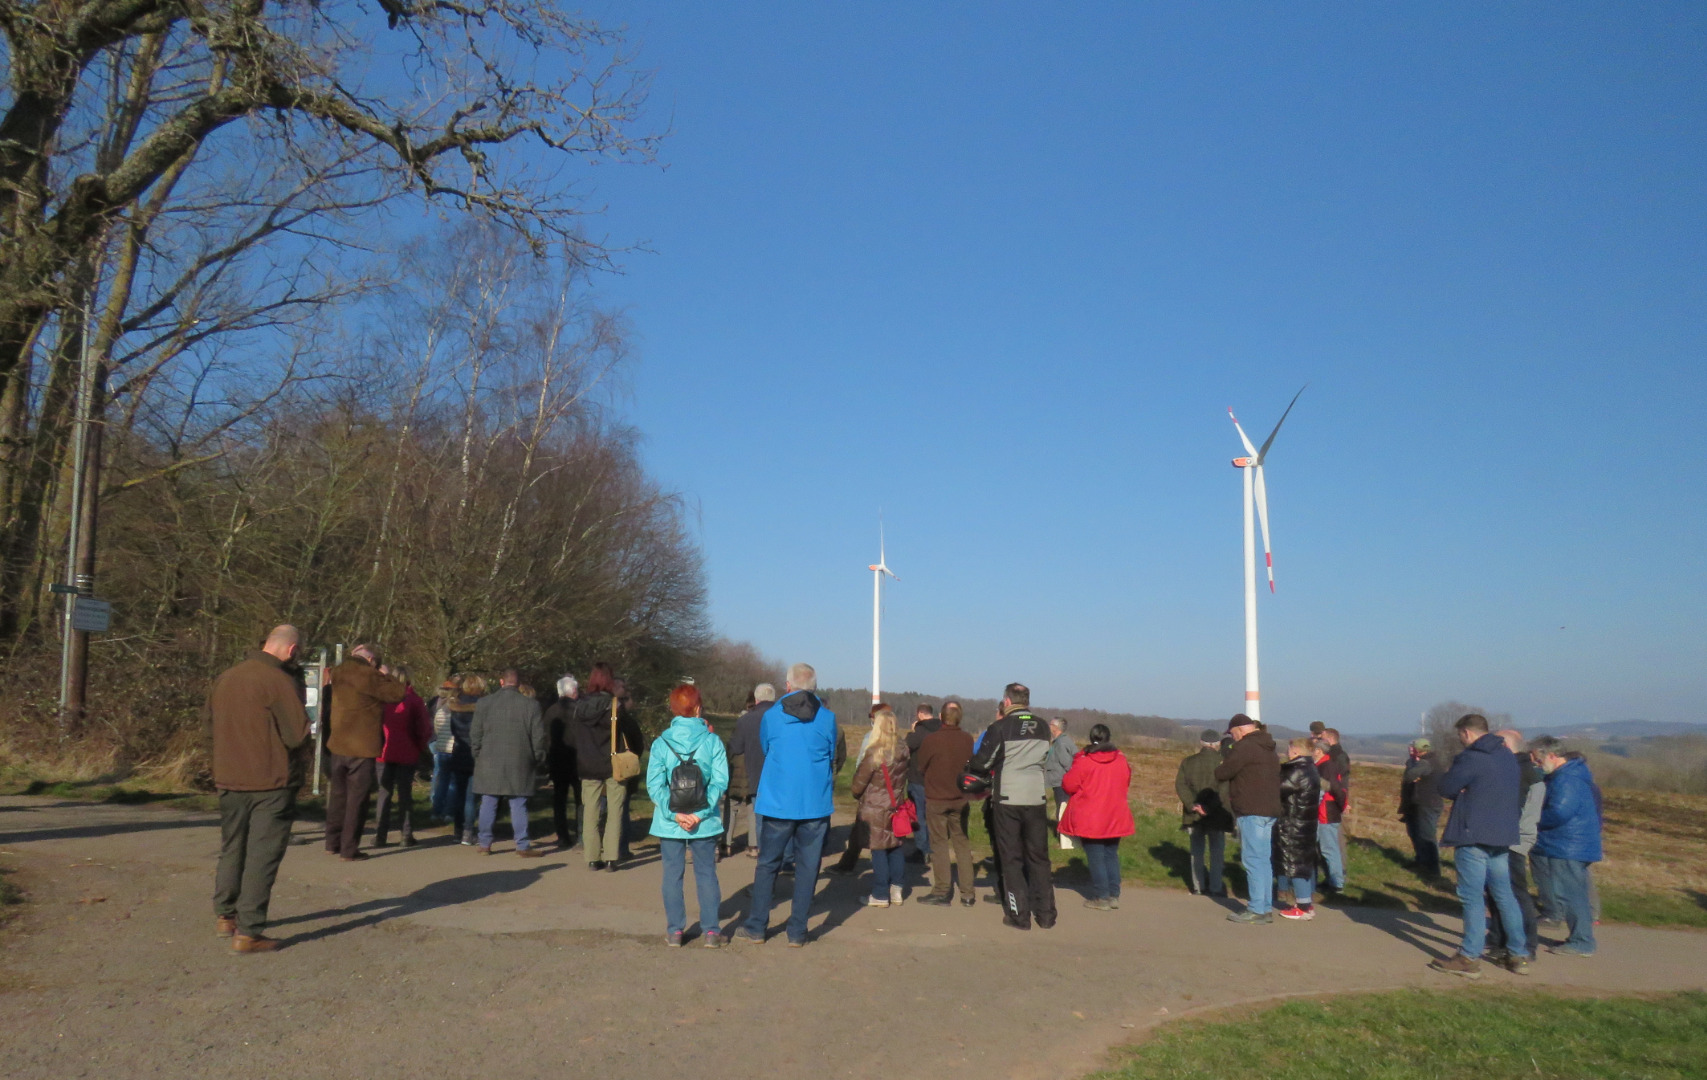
[435, 961]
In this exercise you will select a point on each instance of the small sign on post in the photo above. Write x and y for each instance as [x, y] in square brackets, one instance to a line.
[90, 615]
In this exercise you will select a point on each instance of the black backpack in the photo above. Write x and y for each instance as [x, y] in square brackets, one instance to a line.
[687, 784]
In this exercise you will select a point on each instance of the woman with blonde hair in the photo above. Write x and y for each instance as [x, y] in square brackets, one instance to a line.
[460, 796]
[880, 785]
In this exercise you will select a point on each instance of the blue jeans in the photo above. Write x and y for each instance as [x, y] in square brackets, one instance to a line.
[1303, 889]
[1328, 840]
[921, 836]
[441, 785]
[459, 800]
[807, 838]
[1256, 855]
[887, 868]
[1486, 868]
[1569, 881]
[1206, 876]
[674, 855]
[1103, 859]
[518, 818]
[759, 836]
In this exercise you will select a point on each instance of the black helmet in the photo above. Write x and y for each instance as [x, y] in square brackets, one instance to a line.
[974, 783]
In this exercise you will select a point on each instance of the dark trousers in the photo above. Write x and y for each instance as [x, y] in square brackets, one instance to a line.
[1022, 851]
[921, 836]
[564, 790]
[396, 782]
[1548, 903]
[254, 830]
[1424, 829]
[947, 828]
[346, 803]
[1531, 919]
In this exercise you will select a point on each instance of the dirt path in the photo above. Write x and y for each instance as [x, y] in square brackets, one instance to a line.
[432, 957]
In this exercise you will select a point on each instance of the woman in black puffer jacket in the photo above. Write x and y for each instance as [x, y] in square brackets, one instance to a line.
[1295, 831]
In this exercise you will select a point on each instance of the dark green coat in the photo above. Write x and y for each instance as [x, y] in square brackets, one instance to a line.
[509, 743]
[1196, 784]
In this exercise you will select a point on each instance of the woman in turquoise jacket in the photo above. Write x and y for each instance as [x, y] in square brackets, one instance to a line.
[688, 739]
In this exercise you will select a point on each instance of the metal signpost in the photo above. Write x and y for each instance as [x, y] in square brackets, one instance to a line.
[314, 700]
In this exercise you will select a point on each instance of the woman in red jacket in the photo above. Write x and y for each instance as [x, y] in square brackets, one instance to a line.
[1099, 814]
[408, 733]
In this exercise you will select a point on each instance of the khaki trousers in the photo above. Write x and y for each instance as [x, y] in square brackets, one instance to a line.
[608, 847]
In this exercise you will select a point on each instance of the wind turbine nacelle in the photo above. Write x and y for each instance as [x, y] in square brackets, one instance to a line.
[1241, 463]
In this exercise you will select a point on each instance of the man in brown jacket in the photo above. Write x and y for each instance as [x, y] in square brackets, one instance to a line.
[942, 757]
[258, 720]
[1252, 773]
[360, 692]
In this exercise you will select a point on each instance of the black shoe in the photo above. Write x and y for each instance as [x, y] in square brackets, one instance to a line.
[1046, 924]
[410, 841]
[610, 866]
[968, 901]
[937, 899]
[787, 868]
[1009, 920]
[596, 864]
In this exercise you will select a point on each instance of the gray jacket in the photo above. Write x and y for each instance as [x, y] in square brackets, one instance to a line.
[1060, 759]
[509, 742]
[1529, 820]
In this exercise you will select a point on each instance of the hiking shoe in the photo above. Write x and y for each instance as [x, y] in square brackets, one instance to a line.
[874, 901]
[1497, 957]
[531, 853]
[896, 896]
[1458, 965]
[410, 841]
[225, 925]
[1046, 922]
[1517, 965]
[1009, 920]
[673, 939]
[714, 940]
[246, 943]
[936, 899]
[744, 934]
[1250, 917]
[1567, 950]
[797, 943]
[1296, 913]
[483, 849]
[1099, 903]
[359, 856]
[596, 864]
[1113, 902]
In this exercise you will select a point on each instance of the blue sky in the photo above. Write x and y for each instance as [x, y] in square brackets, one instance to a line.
[999, 270]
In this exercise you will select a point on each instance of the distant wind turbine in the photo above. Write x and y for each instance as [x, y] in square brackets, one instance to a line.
[1256, 494]
[881, 568]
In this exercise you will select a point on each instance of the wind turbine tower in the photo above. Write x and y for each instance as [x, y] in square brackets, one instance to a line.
[877, 572]
[1256, 498]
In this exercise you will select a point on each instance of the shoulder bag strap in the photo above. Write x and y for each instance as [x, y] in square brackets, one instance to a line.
[613, 723]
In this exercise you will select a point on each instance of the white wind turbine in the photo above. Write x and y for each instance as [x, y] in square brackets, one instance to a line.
[1256, 494]
[877, 572]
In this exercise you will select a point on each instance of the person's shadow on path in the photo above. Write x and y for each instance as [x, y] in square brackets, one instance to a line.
[1412, 927]
[440, 894]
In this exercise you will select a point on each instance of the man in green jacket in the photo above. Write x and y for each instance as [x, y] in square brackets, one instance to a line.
[1204, 814]
[256, 714]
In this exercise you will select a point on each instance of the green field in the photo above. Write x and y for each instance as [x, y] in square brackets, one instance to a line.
[1424, 1035]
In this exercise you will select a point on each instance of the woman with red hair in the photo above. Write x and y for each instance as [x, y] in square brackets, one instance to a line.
[597, 712]
[686, 779]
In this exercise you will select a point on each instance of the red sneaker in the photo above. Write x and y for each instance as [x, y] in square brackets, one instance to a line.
[1296, 913]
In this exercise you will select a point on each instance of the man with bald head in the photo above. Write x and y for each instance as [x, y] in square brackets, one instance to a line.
[256, 713]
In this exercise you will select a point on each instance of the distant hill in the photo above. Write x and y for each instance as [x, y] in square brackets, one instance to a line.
[1623, 729]
[855, 704]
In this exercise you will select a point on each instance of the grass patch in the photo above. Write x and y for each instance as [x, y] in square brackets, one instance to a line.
[11, 897]
[1413, 1035]
[1654, 908]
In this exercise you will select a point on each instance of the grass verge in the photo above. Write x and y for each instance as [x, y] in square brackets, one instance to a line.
[1413, 1035]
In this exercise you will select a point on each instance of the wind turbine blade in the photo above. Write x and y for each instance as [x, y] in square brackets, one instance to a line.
[1270, 441]
[1262, 516]
[1242, 436]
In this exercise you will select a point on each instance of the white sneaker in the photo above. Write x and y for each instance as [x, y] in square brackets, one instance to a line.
[871, 901]
[896, 896]
[1066, 842]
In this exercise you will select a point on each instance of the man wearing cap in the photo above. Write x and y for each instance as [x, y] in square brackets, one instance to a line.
[1419, 806]
[1252, 774]
[1203, 801]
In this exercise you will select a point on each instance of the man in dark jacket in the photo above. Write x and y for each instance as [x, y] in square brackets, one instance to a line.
[360, 692]
[1420, 805]
[924, 723]
[1252, 773]
[565, 780]
[746, 765]
[1568, 840]
[1012, 752]
[1486, 789]
[510, 744]
[1204, 814]
[942, 757]
[257, 720]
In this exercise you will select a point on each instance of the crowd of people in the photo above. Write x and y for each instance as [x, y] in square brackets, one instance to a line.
[915, 788]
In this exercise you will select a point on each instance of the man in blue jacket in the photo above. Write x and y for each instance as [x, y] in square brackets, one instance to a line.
[1568, 841]
[796, 796]
[1485, 785]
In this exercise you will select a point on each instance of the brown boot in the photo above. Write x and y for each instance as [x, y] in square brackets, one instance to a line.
[530, 853]
[245, 944]
[1459, 964]
[225, 925]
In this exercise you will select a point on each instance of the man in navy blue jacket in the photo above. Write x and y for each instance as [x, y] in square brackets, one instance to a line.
[1485, 785]
[1568, 841]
